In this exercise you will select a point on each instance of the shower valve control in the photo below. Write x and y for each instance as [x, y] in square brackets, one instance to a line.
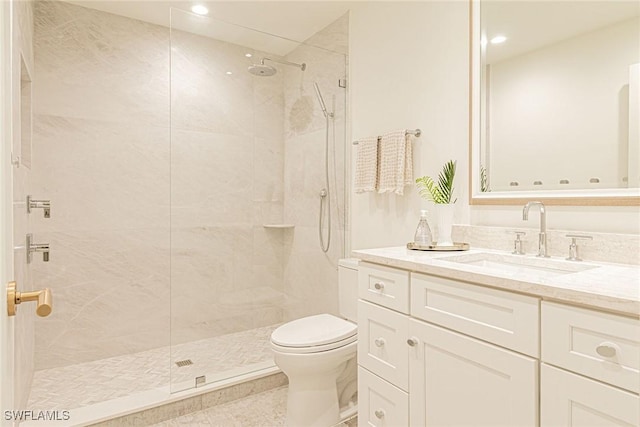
[36, 247]
[39, 204]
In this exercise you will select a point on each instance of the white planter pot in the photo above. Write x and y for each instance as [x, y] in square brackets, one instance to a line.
[444, 218]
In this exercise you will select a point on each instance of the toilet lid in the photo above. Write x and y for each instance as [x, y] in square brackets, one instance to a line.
[313, 331]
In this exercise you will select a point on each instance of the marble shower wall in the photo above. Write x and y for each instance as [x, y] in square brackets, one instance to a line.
[226, 182]
[101, 154]
[158, 226]
[310, 276]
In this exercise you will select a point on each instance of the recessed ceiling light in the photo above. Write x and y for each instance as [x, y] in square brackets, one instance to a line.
[498, 39]
[199, 9]
[229, 73]
[248, 55]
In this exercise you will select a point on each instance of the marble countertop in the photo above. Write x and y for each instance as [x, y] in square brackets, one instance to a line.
[605, 286]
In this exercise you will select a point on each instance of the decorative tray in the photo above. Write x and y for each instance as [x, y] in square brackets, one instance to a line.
[456, 247]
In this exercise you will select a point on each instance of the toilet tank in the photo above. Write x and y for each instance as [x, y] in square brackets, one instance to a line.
[348, 288]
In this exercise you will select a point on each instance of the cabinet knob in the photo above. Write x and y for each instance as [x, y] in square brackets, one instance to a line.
[607, 349]
[379, 342]
[413, 341]
[379, 285]
[379, 414]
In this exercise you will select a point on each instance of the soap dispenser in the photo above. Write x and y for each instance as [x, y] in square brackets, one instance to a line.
[423, 235]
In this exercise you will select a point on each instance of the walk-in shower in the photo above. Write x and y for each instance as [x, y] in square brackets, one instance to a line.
[206, 228]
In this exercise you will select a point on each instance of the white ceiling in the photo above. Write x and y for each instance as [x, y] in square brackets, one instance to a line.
[530, 25]
[293, 20]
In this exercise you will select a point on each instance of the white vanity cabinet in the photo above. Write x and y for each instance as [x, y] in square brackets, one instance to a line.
[434, 352]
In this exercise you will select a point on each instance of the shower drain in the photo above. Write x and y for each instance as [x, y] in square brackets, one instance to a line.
[185, 362]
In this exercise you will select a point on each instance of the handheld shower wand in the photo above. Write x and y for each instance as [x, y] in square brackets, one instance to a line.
[321, 101]
[325, 193]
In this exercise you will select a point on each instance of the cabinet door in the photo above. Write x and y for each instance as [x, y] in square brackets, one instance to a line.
[567, 399]
[460, 381]
[380, 403]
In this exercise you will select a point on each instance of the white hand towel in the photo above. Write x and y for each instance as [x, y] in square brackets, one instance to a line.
[366, 165]
[396, 162]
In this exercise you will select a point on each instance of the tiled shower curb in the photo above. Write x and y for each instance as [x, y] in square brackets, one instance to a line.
[191, 404]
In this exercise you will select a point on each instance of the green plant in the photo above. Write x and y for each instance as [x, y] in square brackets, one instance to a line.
[442, 191]
[484, 182]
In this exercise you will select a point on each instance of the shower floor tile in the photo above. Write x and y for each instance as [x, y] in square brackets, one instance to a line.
[266, 409]
[85, 384]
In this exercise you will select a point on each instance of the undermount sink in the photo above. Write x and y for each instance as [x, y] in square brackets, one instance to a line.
[518, 264]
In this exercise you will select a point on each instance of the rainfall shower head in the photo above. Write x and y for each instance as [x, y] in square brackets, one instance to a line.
[262, 70]
[267, 70]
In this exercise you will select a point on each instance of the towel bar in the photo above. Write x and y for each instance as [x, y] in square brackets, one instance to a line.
[416, 132]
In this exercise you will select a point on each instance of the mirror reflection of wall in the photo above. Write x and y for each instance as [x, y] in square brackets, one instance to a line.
[559, 101]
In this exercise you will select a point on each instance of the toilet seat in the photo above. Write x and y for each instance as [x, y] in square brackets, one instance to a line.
[313, 334]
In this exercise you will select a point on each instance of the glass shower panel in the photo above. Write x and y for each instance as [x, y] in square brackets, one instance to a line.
[248, 140]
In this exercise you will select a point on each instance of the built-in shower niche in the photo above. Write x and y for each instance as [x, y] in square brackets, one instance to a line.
[25, 115]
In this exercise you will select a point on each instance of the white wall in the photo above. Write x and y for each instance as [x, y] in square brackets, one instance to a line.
[537, 125]
[409, 69]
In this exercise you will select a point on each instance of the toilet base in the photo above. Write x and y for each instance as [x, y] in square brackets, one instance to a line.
[312, 401]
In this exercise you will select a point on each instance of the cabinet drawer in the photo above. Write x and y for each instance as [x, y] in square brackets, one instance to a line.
[386, 286]
[382, 343]
[380, 403]
[503, 318]
[571, 400]
[599, 345]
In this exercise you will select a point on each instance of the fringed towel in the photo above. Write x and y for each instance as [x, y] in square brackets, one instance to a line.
[367, 162]
[395, 166]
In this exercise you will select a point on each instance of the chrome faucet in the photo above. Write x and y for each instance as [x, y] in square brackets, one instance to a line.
[542, 235]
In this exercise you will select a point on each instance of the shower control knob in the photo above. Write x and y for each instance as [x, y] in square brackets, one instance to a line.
[379, 286]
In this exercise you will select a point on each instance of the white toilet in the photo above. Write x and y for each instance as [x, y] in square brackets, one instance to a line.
[313, 352]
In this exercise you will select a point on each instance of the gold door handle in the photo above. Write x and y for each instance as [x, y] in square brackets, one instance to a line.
[43, 297]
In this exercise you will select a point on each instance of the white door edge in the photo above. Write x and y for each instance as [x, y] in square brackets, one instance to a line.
[6, 212]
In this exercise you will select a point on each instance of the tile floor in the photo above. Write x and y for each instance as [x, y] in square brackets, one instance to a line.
[84, 384]
[266, 409]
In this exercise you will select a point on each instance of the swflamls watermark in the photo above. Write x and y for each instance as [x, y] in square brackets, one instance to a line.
[31, 415]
